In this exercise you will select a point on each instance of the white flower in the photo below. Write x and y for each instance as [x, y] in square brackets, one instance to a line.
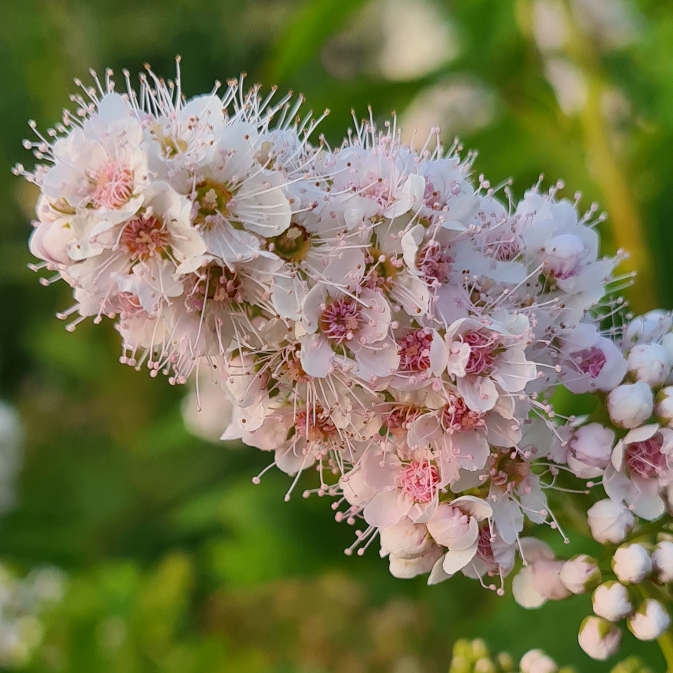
[611, 601]
[609, 521]
[649, 620]
[630, 405]
[590, 450]
[485, 360]
[350, 325]
[580, 574]
[649, 363]
[598, 638]
[407, 483]
[662, 561]
[536, 661]
[631, 563]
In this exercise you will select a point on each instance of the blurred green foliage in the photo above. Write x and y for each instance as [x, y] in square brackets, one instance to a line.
[177, 563]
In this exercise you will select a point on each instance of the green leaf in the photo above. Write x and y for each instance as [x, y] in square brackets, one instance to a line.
[309, 29]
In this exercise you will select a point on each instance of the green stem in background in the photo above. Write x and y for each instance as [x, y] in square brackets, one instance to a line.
[666, 645]
[605, 166]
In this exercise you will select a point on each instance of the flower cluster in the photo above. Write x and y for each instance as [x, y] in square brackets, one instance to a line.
[368, 312]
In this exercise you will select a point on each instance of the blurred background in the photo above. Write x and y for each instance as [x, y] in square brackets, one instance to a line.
[129, 544]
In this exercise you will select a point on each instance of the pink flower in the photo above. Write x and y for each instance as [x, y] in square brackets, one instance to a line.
[455, 525]
[640, 467]
[407, 483]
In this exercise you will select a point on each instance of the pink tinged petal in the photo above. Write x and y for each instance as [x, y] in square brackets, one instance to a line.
[473, 450]
[475, 507]
[229, 244]
[524, 591]
[375, 312]
[641, 434]
[479, 392]
[411, 241]
[311, 307]
[457, 560]
[437, 573]
[514, 371]
[423, 431]
[412, 293]
[287, 295]
[262, 206]
[617, 458]
[533, 550]
[387, 509]
[380, 471]
[377, 361]
[457, 358]
[316, 355]
[508, 519]
[422, 512]
[406, 568]
[439, 355]
[292, 461]
[271, 435]
[345, 268]
[648, 504]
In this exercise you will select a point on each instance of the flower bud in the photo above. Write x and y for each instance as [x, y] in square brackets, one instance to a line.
[631, 563]
[546, 580]
[598, 638]
[405, 539]
[649, 621]
[563, 255]
[649, 363]
[580, 574]
[647, 328]
[410, 566]
[611, 601]
[630, 404]
[609, 521]
[662, 561]
[590, 450]
[536, 661]
[664, 405]
[667, 343]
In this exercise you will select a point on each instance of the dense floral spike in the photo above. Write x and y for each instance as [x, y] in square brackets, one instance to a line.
[369, 312]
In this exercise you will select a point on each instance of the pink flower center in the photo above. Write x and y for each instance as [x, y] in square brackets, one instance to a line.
[481, 359]
[589, 361]
[340, 319]
[456, 417]
[400, 418]
[434, 263]
[315, 425]
[114, 186]
[144, 237]
[127, 305]
[295, 371]
[378, 190]
[216, 283]
[414, 350]
[419, 480]
[504, 251]
[484, 549]
[645, 458]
